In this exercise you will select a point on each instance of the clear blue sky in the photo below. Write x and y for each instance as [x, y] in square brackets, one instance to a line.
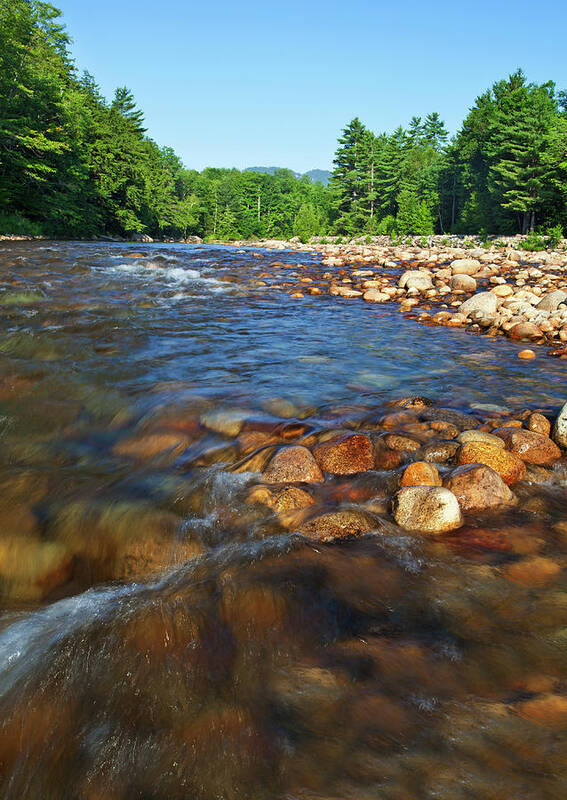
[253, 82]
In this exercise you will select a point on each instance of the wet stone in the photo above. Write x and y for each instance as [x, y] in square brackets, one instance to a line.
[293, 464]
[508, 465]
[478, 487]
[428, 509]
[531, 447]
[345, 455]
[337, 525]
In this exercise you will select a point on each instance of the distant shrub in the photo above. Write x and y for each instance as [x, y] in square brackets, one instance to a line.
[533, 241]
[13, 223]
[554, 236]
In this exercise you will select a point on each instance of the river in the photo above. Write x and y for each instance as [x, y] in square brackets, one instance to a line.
[163, 637]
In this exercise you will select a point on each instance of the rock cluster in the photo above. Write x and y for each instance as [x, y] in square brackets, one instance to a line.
[498, 291]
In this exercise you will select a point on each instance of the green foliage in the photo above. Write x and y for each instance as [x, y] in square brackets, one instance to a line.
[13, 223]
[539, 241]
[534, 241]
[554, 236]
[74, 164]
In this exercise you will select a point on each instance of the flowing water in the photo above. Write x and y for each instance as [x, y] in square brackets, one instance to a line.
[163, 636]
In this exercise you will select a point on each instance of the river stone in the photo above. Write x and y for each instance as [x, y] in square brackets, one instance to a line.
[439, 452]
[508, 465]
[293, 464]
[396, 441]
[552, 300]
[525, 330]
[421, 473]
[485, 302]
[465, 266]
[463, 283]
[429, 509]
[375, 296]
[337, 525]
[531, 447]
[461, 421]
[480, 436]
[415, 279]
[345, 455]
[30, 569]
[538, 423]
[478, 487]
[559, 434]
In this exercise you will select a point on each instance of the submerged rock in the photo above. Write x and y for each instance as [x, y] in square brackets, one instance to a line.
[294, 464]
[429, 509]
[337, 525]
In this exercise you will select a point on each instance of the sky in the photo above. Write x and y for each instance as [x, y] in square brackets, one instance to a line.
[260, 83]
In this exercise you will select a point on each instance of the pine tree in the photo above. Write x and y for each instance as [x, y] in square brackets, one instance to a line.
[347, 181]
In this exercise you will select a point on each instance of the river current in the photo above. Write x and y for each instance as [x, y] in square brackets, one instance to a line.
[161, 638]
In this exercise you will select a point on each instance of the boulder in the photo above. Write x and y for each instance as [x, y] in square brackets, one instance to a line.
[559, 433]
[508, 465]
[525, 330]
[345, 455]
[463, 283]
[293, 464]
[480, 436]
[552, 300]
[538, 423]
[421, 473]
[429, 509]
[478, 487]
[415, 279]
[531, 447]
[465, 266]
[485, 302]
[337, 525]
[375, 296]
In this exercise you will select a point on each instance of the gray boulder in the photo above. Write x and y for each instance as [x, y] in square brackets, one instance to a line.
[552, 300]
[486, 302]
[415, 279]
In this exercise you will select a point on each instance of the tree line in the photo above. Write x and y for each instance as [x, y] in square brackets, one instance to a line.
[74, 164]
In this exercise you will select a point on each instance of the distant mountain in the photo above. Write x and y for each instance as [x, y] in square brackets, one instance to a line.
[314, 175]
[321, 175]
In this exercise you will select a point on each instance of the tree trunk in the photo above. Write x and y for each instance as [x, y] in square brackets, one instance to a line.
[454, 203]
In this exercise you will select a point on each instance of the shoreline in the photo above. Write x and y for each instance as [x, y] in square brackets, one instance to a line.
[498, 291]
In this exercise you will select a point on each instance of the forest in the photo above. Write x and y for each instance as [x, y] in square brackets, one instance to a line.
[74, 164]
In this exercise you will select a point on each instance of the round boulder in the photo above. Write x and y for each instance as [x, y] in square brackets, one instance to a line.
[559, 433]
[415, 279]
[345, 455]
[508, 465]
[465, 266]
[531, 447]
[293, 465]
[478, 487]
[463, 283]
[429, 509]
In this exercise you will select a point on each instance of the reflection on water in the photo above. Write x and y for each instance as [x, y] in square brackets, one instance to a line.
[168, 633]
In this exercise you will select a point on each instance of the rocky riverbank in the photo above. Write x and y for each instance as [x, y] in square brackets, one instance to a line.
[500, 291]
